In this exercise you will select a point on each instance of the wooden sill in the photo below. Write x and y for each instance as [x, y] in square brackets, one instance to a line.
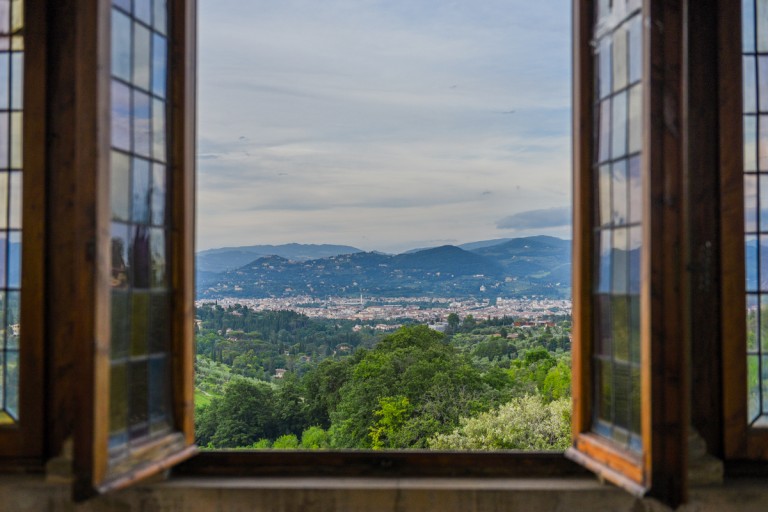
[392, 464]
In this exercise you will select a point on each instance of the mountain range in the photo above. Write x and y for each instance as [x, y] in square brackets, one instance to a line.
[539, 265]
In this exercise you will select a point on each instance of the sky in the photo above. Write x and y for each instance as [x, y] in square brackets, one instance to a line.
[382, 124]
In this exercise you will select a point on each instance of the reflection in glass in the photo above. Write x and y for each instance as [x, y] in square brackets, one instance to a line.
[121, 46]
[120, 186]
[141, 124]
[635, 49]
[619, 214]
[159, 65]
[618, 238]
[121, 116]
[141, 188]
[750, 143]
[141, 293]
[141, 56]
[762, 25]
[748, 26]
[604, 193]
[750, 203]
[604, 139]
[635, 119]
[619, 129]
[620, 59]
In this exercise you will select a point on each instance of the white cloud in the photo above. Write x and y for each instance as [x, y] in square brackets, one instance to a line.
[379, 124]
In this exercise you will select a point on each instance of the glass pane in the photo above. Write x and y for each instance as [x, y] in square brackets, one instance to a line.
[141, 56]
[604, 140]
[121, 324]
[620, 59]
[140, 257]
[121, 244]
[750, 203]
[14, 208]
[763, 149]
[158, 130]
[120, 186]
[762, 343]
[748, 25]
[620, 265]
[750, 143]
[635, 184]
[159, 65]
[17, 80]
[605, 72]
[121, 116]
[751, 263]
[159, 393]
[604, 264]
[140, 201]
[753, 387]
[139, 323]
[142, 9]
[158, 258]
[619, 191]
[141, 124]
[762, 75]
[753, 313]
[16, 141]
[619, 125]
[14, 260]
[121, 46]
[763, 250]
[762, 25]
[604, 193]
[158, 194]
[118, 406]
[160, 323]
[635, 119]
[12, 320]
[635, 49]
[634, 248]
[160, 16]
[138, 400]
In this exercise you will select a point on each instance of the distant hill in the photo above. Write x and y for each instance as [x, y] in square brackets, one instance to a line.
[526, 266]
[229, 258]
[540, 257]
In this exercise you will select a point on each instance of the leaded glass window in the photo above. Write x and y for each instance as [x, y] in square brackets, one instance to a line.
[617, 221]
[11, 122]
[140, 387]
[755, 117]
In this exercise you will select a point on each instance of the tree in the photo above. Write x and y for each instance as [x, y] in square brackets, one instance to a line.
[242, 416]
[453, 322]
[525, 423]
[439, 383]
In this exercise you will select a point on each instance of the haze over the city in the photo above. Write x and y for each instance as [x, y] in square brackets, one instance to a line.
[386, 125]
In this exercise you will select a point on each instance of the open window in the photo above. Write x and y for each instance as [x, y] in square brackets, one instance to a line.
[108, 257]
[120, 301]
[22, 196]
[629, 355]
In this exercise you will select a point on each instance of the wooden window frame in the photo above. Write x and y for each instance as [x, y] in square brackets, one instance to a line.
[664, 366]
[79, 235]
[21, 444]
[742, 442]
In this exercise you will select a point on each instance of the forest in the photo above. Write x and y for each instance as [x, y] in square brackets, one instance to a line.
[278, 379]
